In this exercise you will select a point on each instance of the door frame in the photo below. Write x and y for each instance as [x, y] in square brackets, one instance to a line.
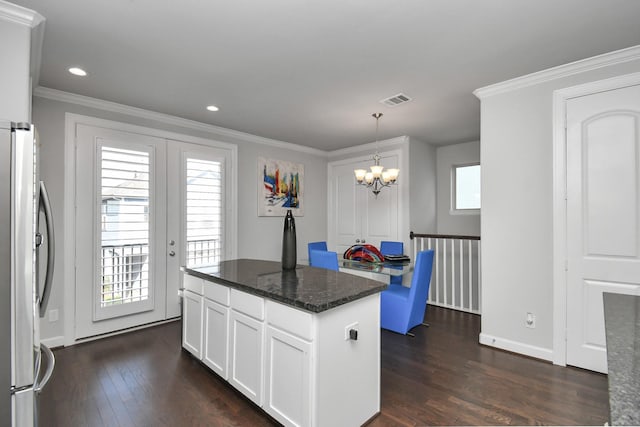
[72, 120]
[560, 267]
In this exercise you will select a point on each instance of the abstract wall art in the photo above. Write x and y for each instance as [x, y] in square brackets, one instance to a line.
[280, 187]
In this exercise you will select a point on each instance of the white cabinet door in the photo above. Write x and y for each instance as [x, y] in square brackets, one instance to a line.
[355, 214]
[216, 335]
[288, 378]
[246, 355]
[192, 323]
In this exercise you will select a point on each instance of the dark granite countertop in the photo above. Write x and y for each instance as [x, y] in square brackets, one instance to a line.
[309, 288]
[622, 326]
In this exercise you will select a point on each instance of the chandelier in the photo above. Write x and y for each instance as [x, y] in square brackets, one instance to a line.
[378, 177]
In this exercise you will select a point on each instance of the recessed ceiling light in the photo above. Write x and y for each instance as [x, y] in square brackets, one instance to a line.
[77, 71]
[212, 108]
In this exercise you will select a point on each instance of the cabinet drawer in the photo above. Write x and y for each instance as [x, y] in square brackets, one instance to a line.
[296, 322]
[248, 304]
[216, 292]
[192, 283]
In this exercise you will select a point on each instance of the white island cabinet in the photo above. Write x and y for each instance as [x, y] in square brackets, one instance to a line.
[302, 367]
[215, 352]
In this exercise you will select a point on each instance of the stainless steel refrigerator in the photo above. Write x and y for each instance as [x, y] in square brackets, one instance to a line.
[25, 246]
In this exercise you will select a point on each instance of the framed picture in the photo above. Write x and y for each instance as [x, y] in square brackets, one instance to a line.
[280, 187]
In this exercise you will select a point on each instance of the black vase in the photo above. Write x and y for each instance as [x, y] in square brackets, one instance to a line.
[289, 242]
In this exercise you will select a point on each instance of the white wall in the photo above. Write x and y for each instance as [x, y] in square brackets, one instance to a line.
[422, 187]
[517, 208]
[447, 157]
[258, 237]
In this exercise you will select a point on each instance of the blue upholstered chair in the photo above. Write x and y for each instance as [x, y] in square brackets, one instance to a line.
[324, 259]
[392, 248]
[403, 308]
[316, 246]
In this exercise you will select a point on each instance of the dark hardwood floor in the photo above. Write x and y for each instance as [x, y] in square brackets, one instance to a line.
[440, 377]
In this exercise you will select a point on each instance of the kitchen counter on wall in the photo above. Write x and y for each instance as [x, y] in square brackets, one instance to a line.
[622, 325]
[311, 289]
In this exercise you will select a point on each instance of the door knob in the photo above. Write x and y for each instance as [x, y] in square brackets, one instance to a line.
[357, 240]
[363, 241]
[172, 253]
[172, 242]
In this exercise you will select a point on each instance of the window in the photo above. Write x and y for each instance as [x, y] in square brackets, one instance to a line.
[466, 188]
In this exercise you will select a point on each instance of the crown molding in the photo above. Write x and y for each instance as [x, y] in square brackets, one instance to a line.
[581, 66]
[383, 145]
[86, 101]
[19, 15]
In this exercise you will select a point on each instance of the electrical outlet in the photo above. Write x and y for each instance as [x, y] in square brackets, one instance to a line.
[53, 315]
[530, 321]
[348, 328]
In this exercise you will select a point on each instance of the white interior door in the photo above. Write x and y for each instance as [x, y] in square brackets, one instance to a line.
[603, 215]
[120, 230]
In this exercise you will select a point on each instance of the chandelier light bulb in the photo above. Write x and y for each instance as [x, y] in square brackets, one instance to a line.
[368, 178]
[376, 170]
[360, 173]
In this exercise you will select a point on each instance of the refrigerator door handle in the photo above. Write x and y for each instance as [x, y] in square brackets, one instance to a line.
[51, 364]
[45, 204]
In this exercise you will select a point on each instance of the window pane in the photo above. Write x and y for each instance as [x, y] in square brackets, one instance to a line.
[203, 212]
[125, 226]
[467, 187]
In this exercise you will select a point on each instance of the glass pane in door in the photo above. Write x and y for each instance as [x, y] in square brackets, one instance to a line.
[125, 226]
[204, 211]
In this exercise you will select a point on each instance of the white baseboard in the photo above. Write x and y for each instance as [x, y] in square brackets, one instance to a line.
[517, 347]
[53, 342]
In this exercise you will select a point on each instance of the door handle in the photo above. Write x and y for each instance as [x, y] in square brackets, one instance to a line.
[172, 253]
[51, 363]
[45, 205]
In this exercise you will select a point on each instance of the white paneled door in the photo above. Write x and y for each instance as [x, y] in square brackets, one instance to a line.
[603, 215]
[145, 206]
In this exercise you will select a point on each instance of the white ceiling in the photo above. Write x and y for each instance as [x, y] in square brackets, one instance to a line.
[312, 72]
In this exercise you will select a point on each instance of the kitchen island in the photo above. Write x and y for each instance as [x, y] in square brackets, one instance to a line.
[303, 344]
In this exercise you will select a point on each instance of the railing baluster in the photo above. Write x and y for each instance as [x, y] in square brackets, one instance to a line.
[453, 274]
[479, 281]
[437, 263]
[444, 270]
[470, 276]
[461, 283]
[431, 291]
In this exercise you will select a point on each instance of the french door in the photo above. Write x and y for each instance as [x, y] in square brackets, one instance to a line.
[145, 206]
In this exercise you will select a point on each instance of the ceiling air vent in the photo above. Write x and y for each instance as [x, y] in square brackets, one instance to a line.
[395, 100]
